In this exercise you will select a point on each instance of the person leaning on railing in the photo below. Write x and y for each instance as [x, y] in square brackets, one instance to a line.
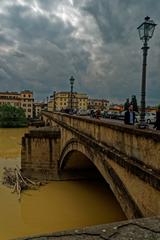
[157, 123]
[129, 117]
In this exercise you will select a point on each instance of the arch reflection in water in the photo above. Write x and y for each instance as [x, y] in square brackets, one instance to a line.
[69, 204]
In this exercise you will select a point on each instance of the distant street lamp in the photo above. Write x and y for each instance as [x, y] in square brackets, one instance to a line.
[54, 100]
[146, 30]
[71, 95]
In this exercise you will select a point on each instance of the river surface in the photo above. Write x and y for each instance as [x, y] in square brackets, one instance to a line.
[54, 207]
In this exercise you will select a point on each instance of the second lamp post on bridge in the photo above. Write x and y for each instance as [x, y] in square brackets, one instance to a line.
[71, 93]
[146, 30]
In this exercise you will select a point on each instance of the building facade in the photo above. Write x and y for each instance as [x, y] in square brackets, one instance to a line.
[38, 107]
[50, 105]
[82, 101]
[24, 99]
[101, 104]
[62, 101]
[27, 102]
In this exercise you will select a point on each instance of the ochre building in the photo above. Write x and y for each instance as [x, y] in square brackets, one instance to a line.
[24, 99]
[62, 100]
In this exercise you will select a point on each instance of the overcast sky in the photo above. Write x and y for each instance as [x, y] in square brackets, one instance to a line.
[44, 42]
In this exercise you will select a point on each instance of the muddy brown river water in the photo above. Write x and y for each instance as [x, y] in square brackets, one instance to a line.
[54, 207]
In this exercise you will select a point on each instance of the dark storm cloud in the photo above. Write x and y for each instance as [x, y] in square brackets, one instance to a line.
[4, 41]
[43, 43]
[117, 21]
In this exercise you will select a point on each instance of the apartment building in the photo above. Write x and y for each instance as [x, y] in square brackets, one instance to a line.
[101, 104]
[24, 99]
[62, 101]
[27, 102]
[37, 108]
[82, 101]
[50, 105]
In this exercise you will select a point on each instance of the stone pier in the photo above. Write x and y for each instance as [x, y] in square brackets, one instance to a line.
[40, 153]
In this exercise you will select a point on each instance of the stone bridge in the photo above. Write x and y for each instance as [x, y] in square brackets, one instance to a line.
[128, 158]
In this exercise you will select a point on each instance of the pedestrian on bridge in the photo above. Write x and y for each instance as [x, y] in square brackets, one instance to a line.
[129, 117]
[98, 114]
[157, 123]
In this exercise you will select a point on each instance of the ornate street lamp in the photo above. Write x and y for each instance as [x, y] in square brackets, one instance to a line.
[71, 95]
[146, 30]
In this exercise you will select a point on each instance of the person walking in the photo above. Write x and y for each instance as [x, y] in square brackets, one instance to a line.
[92, 114]
[98, 114]
[129, 117]
[157, 123]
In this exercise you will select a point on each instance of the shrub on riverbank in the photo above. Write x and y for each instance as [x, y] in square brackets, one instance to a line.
[11, 116]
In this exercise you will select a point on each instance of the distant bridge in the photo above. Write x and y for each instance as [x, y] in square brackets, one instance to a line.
[126, 157]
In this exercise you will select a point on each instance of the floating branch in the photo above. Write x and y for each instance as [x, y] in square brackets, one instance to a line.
[14, 179]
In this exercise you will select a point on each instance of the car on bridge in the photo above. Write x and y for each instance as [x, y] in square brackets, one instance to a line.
[111, 114]
[150, 117]
[81, 112]
[121, 116]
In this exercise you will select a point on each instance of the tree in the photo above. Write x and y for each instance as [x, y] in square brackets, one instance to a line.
[134, 103]
[11, 116]
[126, 105]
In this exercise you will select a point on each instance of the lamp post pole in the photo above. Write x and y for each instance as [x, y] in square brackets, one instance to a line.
[146, 30]
[54, 99]
[71, 94]
[143, 86]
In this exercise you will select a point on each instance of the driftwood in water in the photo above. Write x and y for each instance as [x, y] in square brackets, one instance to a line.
[14, 178]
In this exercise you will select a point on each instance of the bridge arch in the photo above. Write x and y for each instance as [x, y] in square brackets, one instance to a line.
[77, 160]
[99, 162]
[73, 145]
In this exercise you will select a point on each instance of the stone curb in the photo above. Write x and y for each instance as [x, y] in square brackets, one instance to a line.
[137, 229]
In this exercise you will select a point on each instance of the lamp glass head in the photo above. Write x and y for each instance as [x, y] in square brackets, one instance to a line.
[72, 80]
[146, 29]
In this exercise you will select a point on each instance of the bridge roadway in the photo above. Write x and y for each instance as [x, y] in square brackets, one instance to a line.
[126, 157]
[139, 229]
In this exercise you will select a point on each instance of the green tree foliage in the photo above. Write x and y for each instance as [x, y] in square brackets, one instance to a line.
[126, 105]
[11, 116]
[134, 103]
